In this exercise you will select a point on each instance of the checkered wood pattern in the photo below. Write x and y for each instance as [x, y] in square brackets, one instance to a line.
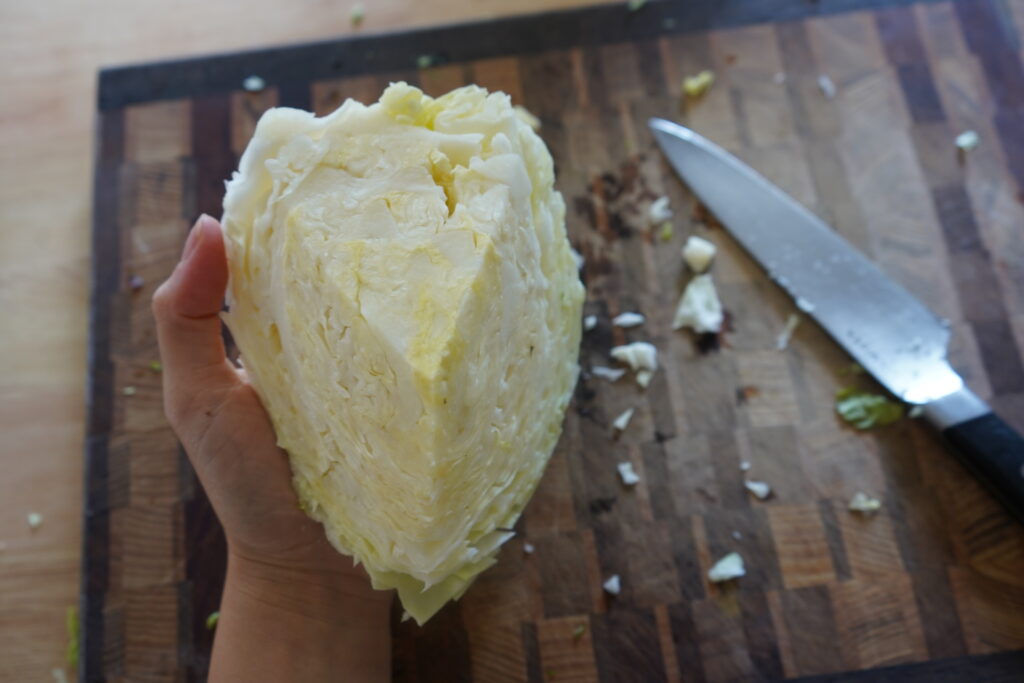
[937, 573]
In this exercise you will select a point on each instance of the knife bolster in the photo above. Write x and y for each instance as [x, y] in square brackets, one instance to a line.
[960, 406]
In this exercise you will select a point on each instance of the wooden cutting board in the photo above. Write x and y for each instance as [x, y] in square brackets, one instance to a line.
[933, 584]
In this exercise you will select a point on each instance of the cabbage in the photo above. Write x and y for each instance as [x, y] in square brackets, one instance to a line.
[408, 308]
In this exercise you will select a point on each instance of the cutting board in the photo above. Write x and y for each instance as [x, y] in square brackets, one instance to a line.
[930, 588]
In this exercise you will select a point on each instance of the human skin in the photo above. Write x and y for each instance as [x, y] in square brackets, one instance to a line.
[293, 608]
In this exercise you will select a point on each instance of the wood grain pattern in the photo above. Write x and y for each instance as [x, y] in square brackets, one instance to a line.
[935, 574]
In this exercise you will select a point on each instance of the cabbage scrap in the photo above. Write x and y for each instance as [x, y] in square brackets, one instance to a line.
[866, 411]
[726, 569]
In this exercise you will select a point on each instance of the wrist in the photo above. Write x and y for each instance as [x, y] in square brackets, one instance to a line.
[333, 590]
[279, 622]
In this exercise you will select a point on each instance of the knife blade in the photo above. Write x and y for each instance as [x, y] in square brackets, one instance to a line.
[887, 330]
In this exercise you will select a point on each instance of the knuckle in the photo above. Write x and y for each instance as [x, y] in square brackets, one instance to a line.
[161, 304]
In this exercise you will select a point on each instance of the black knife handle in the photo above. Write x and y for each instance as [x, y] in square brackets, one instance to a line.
[994, 452]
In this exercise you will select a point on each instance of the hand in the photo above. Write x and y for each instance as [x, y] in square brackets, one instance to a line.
[280, 564]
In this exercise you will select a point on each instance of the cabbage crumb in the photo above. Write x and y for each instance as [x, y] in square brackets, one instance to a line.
[698, 253]
[782, 342]
[967, 140]
[211, 620]
[610, 374]
[827, 87]
[699, 308]
[357, 15]
[35, 520]
[726, 569]
[660, 211]
[862, 502]
[74, 629]
[253, 84]
[628, 320]
[622, 421]
[695, 86]
[638, 356]
[866, 411]
[758, 489]
[628, 474]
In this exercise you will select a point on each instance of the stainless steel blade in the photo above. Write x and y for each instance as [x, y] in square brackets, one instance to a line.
[884, 327]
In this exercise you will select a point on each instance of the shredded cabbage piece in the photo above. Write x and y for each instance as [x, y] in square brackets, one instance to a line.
[866, 411]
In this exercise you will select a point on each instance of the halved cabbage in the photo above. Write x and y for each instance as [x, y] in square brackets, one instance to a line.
[407, 306]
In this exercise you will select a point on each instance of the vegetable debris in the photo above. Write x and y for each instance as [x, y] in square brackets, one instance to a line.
[760, 489]
[528, 548]
[728, 568]
[74, 629]
[828, 88]
[253, 83]
[610, 374]
[34, 519]
[129, 391]
[156, 366]
[660, 210]
[628, 320]
[667, 232]
[967, 140]
[635, 5]
[698, 253]
[638, 355]
[622, 421]
[866, 411]
[787, 331]
[211, 620]
[357, 14]
[862, 502]
[612, 585]
[589, 322]
[643, 378]
[578, 632]
[699, 307]
[695, 86]
[744, 466]
[628, 474]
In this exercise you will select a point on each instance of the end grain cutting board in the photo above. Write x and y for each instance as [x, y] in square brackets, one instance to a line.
[932, 585]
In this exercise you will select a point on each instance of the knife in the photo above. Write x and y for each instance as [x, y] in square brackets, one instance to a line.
[884, 327]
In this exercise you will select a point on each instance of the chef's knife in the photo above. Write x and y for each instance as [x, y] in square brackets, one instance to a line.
[884, 327]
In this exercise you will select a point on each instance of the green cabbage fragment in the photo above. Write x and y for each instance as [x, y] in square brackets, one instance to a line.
[866, 411]
[74, 633]
[211, 621]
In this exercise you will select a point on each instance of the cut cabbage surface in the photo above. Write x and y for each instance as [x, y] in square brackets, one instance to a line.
[408, 308]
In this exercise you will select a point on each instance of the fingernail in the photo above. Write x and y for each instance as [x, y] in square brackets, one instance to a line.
[195, 236]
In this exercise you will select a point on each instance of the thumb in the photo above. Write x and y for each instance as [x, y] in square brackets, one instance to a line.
[187, 311]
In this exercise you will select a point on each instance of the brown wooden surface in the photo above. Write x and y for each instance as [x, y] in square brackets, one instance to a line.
[938, 573]
[51, 53]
